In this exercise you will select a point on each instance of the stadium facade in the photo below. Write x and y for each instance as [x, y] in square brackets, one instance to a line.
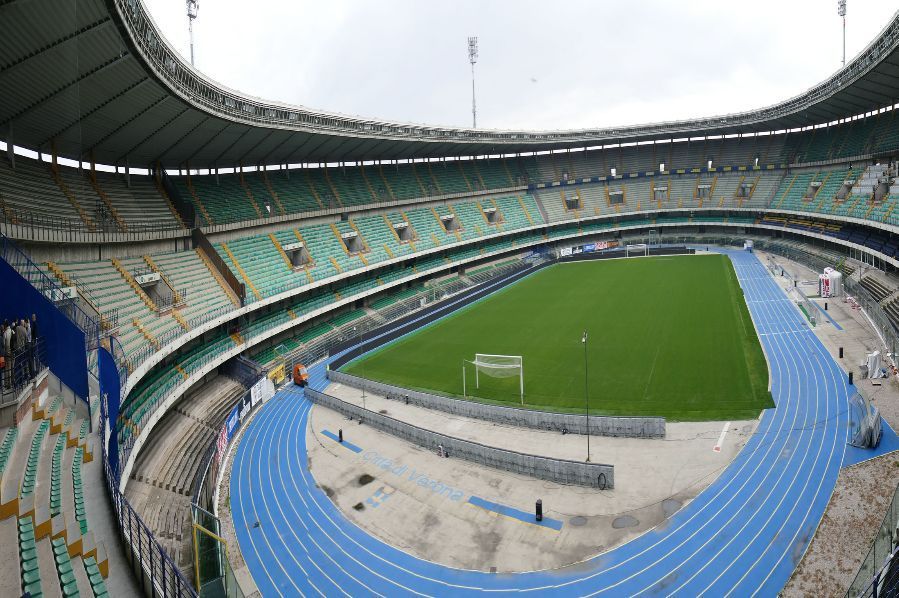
[264, 230]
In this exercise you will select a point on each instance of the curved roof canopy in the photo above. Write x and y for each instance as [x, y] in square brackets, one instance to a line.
[96, 78]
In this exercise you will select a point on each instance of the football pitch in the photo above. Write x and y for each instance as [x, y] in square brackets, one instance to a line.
[667, 336]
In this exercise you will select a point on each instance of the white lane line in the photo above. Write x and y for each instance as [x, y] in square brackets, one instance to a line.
[717, 448]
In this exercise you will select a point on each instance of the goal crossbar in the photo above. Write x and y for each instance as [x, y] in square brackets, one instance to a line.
[495, 366]
[636, 249]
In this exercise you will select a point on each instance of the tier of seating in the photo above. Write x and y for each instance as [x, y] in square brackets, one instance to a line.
[658, 192]
[96, 201]
[878, 290]
[108, 201]
[43, 516]
[380, 308]
[868, 135]
[165, 471]
[111, 290]
[262, 263]
[240, 196]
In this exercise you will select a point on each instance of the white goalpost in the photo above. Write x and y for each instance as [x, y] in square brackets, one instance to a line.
[495, 366]
[637, 249]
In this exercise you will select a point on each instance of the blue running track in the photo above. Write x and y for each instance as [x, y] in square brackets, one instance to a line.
[742, 536]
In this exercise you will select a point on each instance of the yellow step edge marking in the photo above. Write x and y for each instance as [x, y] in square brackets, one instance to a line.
[336, 232]
[177, 315]
[241, 271]
[281, 250]
[525, 209]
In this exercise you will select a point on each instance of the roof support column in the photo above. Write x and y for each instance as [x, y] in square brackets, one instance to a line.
[127, 173]
[9, 151]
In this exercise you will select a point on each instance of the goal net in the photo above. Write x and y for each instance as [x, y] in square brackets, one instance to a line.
[495, 366]
[637, 249]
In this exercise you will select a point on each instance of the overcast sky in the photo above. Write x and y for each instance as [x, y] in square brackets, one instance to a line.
[543, 65]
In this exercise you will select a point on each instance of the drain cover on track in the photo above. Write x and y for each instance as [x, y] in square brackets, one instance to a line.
[670, 506]
[577, 521]
[625, 521]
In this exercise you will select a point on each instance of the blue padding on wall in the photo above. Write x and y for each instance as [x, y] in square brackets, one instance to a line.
[63, 340]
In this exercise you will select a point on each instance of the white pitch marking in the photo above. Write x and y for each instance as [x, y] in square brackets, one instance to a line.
[717, 448]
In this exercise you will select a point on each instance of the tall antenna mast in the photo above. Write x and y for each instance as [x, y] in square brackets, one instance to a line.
[473, 58]
[841, 10]
[192, 7]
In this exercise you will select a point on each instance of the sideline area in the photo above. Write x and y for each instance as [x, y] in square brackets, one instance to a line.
[744, 533]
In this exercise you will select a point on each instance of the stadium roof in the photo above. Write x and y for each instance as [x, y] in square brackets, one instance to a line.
[96, 79]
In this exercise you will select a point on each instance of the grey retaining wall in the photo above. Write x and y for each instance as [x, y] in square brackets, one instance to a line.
[631, 427]
[594, 475]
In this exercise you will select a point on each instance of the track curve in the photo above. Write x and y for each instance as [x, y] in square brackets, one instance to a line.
[743, 535]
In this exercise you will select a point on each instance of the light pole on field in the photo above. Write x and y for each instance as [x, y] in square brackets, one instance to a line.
[586, 393]
[359, 344]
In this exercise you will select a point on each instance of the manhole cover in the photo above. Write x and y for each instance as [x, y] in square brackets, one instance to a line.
[670, 506]
[577, 521]
[625, 521]
[359, 506]
[365, 479]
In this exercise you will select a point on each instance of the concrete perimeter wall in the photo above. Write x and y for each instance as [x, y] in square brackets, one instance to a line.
[630, 427]
[594, 475]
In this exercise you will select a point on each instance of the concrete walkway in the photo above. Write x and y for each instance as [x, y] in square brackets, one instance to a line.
[654, 478]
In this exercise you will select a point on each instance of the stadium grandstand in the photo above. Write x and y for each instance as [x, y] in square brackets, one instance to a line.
[177, 256]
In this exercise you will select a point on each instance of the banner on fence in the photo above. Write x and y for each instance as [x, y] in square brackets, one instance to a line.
[263, 390]
[588, 248]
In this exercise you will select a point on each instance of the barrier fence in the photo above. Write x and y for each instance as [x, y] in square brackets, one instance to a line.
[213, 573]
[879, 573]
[851, 287]
[20, 368]
[630, 427]
[594, 475]
[156, 573]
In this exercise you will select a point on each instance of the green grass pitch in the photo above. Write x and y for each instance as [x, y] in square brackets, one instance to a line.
[668, 336]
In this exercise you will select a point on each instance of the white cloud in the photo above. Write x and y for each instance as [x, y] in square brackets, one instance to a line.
[596, 63]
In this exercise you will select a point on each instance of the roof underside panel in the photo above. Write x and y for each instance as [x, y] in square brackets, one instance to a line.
[96, 79]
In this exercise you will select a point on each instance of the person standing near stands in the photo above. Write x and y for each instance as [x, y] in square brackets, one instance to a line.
[33, 332]
[20, 343]
[29, 347]
[8, 337]
[4, 351]
[21, 336]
